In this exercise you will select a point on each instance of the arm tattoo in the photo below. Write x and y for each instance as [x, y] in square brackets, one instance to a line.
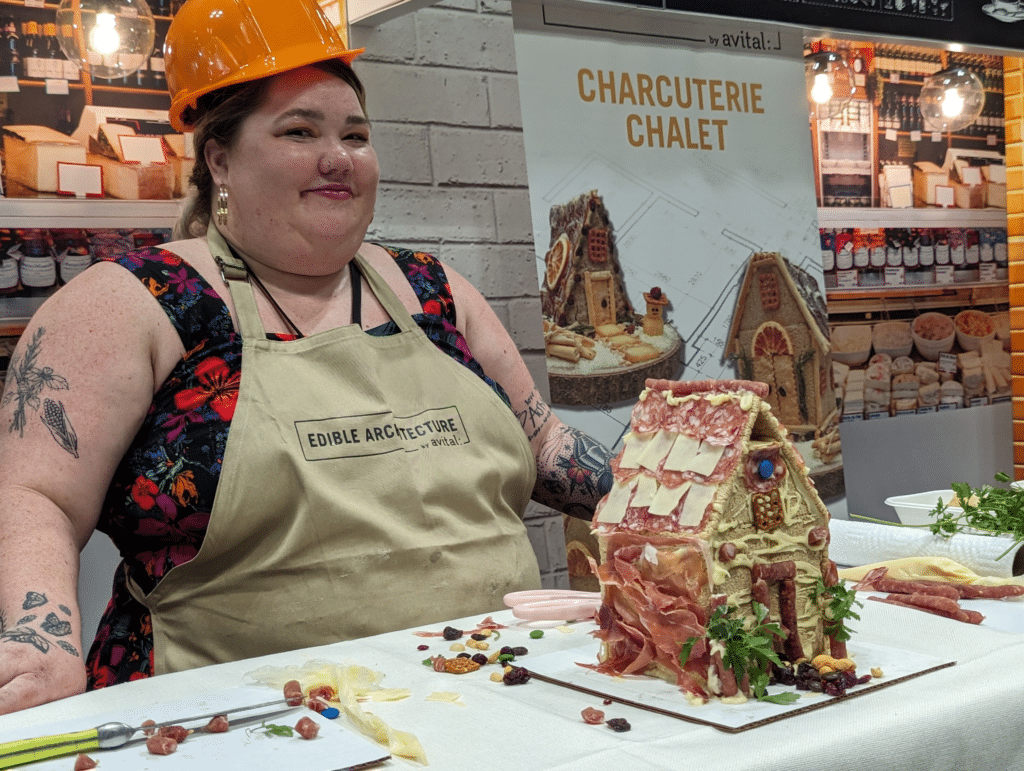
[27, 380]
[534, 416]
[573, 473]
[39, 628]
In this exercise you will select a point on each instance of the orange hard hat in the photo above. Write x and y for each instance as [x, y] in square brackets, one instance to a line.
[215, 43]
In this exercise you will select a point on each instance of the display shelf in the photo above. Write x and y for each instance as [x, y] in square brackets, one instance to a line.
[935, 217]
[61, 212]
[867, 303]
[76, 85]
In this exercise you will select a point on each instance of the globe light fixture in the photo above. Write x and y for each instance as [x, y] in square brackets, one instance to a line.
[830, 84]
[108, 38]
[951, 99]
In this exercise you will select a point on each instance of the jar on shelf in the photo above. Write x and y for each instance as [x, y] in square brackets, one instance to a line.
[38, 267]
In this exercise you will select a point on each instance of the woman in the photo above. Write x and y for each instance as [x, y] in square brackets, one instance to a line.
[374, 474]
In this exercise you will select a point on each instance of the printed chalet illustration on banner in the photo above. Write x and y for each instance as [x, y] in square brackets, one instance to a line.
[673, 206]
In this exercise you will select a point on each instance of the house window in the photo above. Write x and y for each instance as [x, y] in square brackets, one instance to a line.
[597, 244]
[768, 284]
[766, 509]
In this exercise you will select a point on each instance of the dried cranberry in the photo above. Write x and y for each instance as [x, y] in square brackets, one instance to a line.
[463, 656]
[422, 647]
[479, 658]
[451, 633]
[618, 724]
[519, 650]
[606, 702]
[478, 637]
[506, 649]
[516, 676]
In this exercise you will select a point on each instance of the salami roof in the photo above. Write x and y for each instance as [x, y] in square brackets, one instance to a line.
[687, 440]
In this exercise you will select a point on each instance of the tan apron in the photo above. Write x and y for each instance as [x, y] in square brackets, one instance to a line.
[369, 484]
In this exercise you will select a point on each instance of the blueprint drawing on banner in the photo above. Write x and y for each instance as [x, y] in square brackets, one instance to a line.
[701, 158]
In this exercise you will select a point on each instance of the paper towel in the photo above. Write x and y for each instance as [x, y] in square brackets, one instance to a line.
[862, 543]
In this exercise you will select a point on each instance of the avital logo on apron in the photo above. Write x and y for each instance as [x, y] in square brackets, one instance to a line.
[353, 436]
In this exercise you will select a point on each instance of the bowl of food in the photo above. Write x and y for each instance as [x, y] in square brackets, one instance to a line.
[892, 337]
[915, 509]
[851, 344]
[933, 333]
[973, 327]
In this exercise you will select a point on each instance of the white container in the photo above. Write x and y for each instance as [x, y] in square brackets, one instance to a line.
[971, 319]
[851, 344]
[935, 323]
[892, 337]
[914, 509]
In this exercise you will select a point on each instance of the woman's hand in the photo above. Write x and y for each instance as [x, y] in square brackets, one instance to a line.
[40, 660]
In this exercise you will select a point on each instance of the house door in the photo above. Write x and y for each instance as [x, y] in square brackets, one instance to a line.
[600, 290]
[774, 586]
[773, 364]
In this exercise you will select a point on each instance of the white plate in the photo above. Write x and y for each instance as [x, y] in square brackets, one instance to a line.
[914, 509]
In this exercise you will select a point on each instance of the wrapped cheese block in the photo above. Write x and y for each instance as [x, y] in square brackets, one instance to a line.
[31, 155]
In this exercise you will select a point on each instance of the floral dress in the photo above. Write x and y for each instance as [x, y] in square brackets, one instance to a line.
[157, 507]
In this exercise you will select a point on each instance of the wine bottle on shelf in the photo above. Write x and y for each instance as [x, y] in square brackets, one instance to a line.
[54, 55]
[158, 78]
[31, 61]
[10, 49]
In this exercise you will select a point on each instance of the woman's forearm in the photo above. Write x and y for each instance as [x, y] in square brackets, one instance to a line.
[572, 471]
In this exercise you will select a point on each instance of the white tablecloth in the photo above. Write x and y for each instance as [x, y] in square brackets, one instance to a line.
[966, 716]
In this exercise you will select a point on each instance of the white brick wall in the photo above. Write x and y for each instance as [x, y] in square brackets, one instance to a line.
[444, 101]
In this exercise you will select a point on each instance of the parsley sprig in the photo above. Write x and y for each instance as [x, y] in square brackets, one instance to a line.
[273, 729]
[747, 652]
[839, 607]
[995, 510]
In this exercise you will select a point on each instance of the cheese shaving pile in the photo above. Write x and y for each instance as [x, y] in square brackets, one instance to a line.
[930, 569]
[353, 684]
[448, 697]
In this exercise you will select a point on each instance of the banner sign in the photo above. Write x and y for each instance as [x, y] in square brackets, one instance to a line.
[981, 23]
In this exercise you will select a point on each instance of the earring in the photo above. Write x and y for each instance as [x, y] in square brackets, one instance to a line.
[222, 205]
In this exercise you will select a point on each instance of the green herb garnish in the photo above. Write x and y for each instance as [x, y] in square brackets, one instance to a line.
[986, 509]
[839, 607]
[748, 652]
[272, 729]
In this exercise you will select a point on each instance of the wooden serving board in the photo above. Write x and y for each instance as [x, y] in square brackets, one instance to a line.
[615, 385]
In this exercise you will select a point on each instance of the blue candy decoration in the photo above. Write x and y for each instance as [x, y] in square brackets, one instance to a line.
[766, 469]
[330, 713]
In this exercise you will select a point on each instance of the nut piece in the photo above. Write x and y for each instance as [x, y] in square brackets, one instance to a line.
[460, 666]
[457, 647]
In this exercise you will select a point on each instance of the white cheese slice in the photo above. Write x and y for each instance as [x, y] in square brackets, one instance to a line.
[646, 489]
[683, 450]
[667, 498]
[707, 460]
[633, 447]
[614, 507]
[697, 499]
[656, 449]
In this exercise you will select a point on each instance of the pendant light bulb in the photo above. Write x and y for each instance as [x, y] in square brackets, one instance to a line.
[108, 38]
[951, 99]
[830, 84]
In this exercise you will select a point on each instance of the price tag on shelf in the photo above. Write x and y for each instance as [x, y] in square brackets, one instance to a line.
[943, 274]
[56, 86]
[991, 140]
[895, 276]
[946, 406]
[979, 401]
[894, 77]
[987, 272]
[915, 136]
[35, 3]
[81, 180]
[846, 279]
[891, 135]
[925, 410]
[8, 84]
[936, 136]
[947, 362]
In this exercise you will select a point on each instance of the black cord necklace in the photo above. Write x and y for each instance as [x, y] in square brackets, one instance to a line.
[357, 293]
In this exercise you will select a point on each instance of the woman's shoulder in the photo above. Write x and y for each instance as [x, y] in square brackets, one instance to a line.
[172, 276]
